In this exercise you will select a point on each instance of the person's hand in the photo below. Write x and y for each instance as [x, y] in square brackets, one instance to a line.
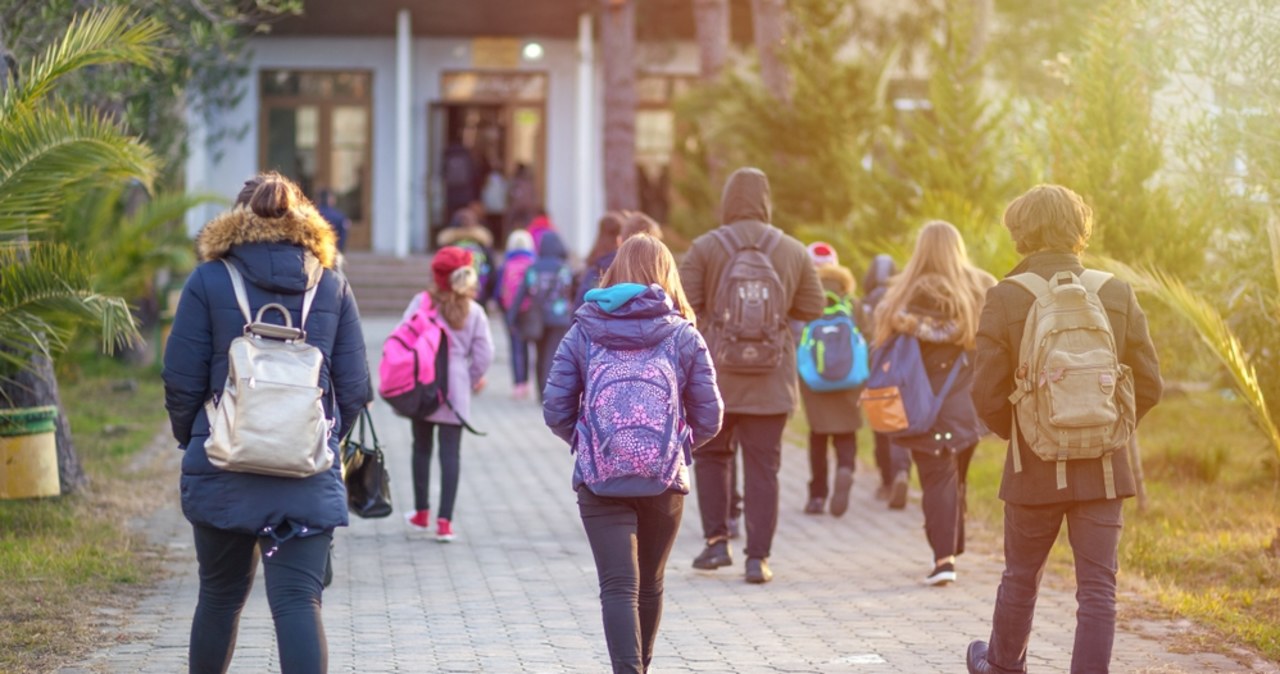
[478, 386]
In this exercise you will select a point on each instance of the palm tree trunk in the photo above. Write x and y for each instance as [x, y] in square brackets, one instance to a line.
[617, 38]
[711, 22]
[770, 18]
[980, 28]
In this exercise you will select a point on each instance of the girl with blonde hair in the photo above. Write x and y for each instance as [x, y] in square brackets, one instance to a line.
[937, 299]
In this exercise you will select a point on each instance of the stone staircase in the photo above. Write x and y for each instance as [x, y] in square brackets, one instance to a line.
[384, 284]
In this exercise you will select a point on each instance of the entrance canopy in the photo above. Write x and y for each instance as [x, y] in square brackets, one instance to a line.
[655, 19]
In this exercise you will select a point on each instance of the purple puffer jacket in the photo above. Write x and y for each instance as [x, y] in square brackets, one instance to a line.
[631, 317]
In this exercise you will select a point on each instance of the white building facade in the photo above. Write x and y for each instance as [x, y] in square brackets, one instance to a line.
[369, 115]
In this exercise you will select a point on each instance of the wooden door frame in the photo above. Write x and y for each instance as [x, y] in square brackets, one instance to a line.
[361, 235]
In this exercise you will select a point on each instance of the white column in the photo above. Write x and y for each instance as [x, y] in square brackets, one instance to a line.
[404, 117]
[197, 170]
[584, 164]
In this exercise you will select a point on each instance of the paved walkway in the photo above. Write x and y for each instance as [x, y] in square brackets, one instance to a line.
[517, 591]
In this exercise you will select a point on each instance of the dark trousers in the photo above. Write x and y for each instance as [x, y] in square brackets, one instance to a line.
[450, 465]
[899, 460]
[1093, 529]
[760, 437]
[883, 463]
[846, 446]
[631, 539]
[944, 481]
[294, 572]
[519, 354]
[546, 348]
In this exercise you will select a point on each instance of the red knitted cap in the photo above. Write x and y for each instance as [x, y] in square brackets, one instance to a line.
[446, 260]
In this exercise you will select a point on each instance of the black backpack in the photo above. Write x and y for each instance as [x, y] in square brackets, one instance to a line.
[748, 329]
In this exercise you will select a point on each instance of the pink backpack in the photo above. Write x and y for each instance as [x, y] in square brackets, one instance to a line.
[512, 276]
[414, 372]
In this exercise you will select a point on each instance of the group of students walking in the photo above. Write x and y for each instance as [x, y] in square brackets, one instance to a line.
[658, 375]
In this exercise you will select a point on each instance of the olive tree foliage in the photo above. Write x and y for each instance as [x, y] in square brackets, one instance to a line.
[1226, 81]
[817, 145]
[204, 64]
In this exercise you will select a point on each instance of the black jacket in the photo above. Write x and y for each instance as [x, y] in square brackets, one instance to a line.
[999, 336]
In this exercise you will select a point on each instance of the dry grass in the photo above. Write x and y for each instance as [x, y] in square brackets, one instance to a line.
[63, 561]
[1203, 549]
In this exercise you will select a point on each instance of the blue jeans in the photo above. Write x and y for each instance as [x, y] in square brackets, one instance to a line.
[631, 539]
[294, 571]
[1093, 529]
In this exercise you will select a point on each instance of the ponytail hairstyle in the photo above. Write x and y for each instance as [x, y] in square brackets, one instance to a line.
[645, 260]
[269, 195]
[454, 302]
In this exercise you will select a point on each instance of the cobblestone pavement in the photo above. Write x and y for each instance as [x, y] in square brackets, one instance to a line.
[517, 591]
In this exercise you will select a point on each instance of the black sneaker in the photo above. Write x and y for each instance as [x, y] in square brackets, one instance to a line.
[815, 506]
[942, 575]
[714, 556]
[735, 526]
[758, 571]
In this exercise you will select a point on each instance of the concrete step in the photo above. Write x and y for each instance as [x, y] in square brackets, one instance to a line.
[385, 284]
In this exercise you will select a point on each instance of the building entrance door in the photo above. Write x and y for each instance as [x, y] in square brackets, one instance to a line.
[486, 149]
[316, 129]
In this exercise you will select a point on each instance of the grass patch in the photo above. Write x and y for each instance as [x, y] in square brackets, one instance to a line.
[1202, 550]
[62, 557]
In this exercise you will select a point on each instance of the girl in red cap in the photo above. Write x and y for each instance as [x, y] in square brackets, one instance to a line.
[452, 295]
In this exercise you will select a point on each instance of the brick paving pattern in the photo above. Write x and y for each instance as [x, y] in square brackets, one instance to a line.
[517, 591]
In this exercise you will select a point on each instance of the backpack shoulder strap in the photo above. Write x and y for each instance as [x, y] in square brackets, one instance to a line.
[1033, 283]
[237, 285]
[769, 240]
[728, 238]
[307, 299]
[1094, 279]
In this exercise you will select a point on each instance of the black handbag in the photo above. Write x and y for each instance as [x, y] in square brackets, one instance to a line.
[364, 470]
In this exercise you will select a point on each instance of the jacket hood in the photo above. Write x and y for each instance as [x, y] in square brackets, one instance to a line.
[746, 197]
[551, 246]
[285, 254]
[628, 316]
[477, 233]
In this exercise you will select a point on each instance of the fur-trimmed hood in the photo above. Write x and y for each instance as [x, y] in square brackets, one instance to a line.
[452, 235]
[301, 226]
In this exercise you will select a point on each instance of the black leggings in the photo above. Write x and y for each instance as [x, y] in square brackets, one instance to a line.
[944, 477]
[450, 465]
[846, 446]
[294, 571]
[631, 539]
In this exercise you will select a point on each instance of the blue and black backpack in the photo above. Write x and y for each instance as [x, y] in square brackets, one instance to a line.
[832, 355]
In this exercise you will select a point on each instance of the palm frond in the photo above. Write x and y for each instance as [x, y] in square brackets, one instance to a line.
[45, 291]
[1213, 331]
[44, 151]
[100, 36]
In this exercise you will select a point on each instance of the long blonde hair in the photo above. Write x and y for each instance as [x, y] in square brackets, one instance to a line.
[645, 260]
[939, 269]
[454, 303]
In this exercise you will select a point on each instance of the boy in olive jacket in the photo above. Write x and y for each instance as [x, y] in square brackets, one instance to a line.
[1051, 225]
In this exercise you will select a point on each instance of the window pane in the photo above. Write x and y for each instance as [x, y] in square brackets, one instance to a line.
[347, 158]
[292, 139]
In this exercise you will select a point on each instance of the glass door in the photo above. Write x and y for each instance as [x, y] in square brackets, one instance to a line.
[315, 129]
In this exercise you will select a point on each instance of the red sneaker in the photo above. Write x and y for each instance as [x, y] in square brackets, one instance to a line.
[444, 530]
[419, 519]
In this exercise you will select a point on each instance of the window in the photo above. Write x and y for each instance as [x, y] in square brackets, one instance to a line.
[315, 129]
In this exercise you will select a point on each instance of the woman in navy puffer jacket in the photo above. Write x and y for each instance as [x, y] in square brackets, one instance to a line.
[282, 247]
[633, 391]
